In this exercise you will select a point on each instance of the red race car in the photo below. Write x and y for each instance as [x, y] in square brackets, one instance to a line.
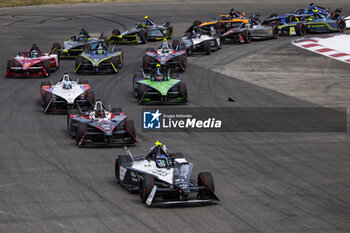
[34, 63]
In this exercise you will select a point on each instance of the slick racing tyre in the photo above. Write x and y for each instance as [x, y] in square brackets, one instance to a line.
[46, 65]
[177, 155]
[116, 32]
[176, 45]
[275, 33]
[83, 82]
[196, 23]
[273, 15]
[141, 90]
[79, 64]
[170, 32]
[80, 132]
[117, 170]
[117, 110]
[145, 187]
[69, 120]
[206, 47]
[341, 25]
[91, 97]
[137, 77]
[205, 179]
[116, 64]
[47, 99]
[87, 48]
[246, 36]
[183, 89]
[143, 36]
[145, 61]
[182, 62]
[130, 127]
[300, 29]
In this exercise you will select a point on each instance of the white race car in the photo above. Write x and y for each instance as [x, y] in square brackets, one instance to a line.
[65, 94]
[198, 41]
[163, 178]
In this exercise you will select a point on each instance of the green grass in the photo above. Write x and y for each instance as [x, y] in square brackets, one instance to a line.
[9, 3]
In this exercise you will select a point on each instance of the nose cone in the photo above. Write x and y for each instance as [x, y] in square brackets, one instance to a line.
[26, 66]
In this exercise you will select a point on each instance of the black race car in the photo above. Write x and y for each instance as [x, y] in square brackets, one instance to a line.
[100, 126]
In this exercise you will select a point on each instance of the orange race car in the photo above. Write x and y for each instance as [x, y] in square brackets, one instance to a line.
[223, 23]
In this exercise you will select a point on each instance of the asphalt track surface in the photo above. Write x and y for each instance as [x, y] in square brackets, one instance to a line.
[267, 182]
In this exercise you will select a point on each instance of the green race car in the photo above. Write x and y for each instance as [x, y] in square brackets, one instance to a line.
[159, 87]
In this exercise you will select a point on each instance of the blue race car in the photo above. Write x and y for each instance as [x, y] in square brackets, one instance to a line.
[316, 23]
[276, 19]
[99, 59]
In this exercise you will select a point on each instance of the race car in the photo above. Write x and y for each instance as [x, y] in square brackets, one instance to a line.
[75, 45]
[159, 87]
[99, 60]
[100, 125]
[198, 41]
[253, 30]
[144, 31]
[169, 57]
[163, 178]
[317, 23]
[223, 23]
[33, 63]
[276, 19]
[66, 94]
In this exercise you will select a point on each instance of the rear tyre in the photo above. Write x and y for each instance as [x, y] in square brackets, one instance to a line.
[116, 32]
[137, 77]
[176, 45]
[177, 155]
[69, 120]
[91, 97]
[145, 187]
[143, 37]
[46, 65]
[335, 15]
[170, 32]
[246, 36]
[10, 63]
[117, 170]
[145, 61]
[130, 127]
[45, 83]
[150, 50]
[87, 48]
[300, 29]
[206, 47]
[196, 23]
[275, 33]
[273, 15]
[56, 46]
[341, 25]
[116, 111]
[83, 82]
[205, 179]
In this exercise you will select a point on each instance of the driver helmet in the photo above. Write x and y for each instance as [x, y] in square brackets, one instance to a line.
[67, 84]
[100, 49]
[161, 161]
[100, 113]
[165, 46]
[159, 75]
[34, 53]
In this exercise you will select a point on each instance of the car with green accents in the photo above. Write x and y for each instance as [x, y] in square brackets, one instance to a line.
[75, 45]
[159, 87]
[99, 60]
[142, 32]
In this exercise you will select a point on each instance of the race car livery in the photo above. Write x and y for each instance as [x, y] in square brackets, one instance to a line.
[252, 30]
[317, 23]
[66, 94]
[143, 31]
[223, 23]
[99, 60]
[197, 41]
[169, 57]
[33, 63]
[159, 87]
[74, 46]
[163, 178]
[100, 125]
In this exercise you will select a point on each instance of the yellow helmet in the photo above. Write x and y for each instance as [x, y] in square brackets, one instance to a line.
[158, 143]
[158, 65]
[146, 17]
[165, 40]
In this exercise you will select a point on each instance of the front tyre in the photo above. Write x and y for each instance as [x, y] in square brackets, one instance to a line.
[145, 187]
[205, 179]
[341, 25]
